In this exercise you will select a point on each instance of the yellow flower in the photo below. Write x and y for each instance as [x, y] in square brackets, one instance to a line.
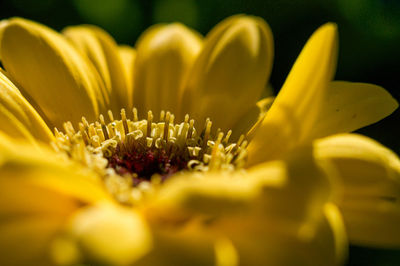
[155, 191]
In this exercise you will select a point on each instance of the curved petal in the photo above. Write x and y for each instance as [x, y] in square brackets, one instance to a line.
[307, 188]
[38, 191]
[258, 243]
[350, 106]
[252, 119]
[104, 234]
[17, 116]
[3, 23]
[102, 51]
[365, 166]
[285, 194]
[275, 209]
[296, 107]
[372, 222]
[370, 176]
[26, 241]
[164, 55]
[128, 56]
[22, 162]
[231, 71]
[51, 74]
[189, 245]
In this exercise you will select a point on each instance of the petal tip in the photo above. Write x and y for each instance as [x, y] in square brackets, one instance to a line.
[329, 29]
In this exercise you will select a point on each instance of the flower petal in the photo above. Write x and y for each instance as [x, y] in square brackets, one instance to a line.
[275, 208]
[365, 166]
[107, 234]
[164, 55]
[189, 245]
[26, 241]
[308, 187]
[231, 72]
[350, 106]
[260, 243]
[38, 191]
[3, 23]
[59, 83]
[370, 176]
[47, 169]
[102, 51]
[296, 107]
[128, 56]
[252, 119]
[372, 222]
[286, 194]
[17, 116]
[29, 214]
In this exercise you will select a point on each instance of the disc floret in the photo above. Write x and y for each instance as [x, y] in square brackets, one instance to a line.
[140, 150]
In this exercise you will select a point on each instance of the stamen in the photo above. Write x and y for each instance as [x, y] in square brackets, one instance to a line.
[111, 131]
[190, 131]
[241, 138]
[129, 152]
[85, 122]
[166, 125]
[206, 132]
[104, 127]
[162, 114]
[228, 135]
[135, 116]
[110, 115]
[123, 117]
[149, 122]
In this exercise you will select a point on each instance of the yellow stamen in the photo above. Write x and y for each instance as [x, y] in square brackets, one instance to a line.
[121, 148]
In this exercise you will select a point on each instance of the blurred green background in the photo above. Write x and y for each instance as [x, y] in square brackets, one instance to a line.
[369, 43]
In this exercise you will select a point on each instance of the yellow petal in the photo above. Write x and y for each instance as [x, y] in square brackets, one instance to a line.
[215, 194]
[164, 55]
[252, 119]
[17, 116]
[365, 166]
[370, 178]
[20, 197]
[248, 240]
[188, 245]
[25, 241]
[263, 105]
[350, 106]
[108, 234]
[260, 244]
[102, 51]
[225, 253]
[372, 222]
[38, 192]
[3, 23]
[307, 188]
[296, 107]
[21, 162]
[55, 79]
[128, 56]
[285, 194]
[336, 228]
[32, 215]
[275, 209]
[231, 72]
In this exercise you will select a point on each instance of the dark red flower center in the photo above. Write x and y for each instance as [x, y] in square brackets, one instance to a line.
[143, 164]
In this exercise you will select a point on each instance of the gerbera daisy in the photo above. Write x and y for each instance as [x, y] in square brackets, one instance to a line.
[164, 154]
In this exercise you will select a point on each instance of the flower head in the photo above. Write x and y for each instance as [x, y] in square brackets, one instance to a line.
[220, 176]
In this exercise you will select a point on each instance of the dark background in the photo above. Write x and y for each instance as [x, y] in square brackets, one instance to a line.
[369, 50]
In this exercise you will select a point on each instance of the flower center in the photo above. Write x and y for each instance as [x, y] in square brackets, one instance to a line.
[136, 151]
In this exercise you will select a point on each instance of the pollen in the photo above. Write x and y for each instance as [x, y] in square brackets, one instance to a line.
[137, 153]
